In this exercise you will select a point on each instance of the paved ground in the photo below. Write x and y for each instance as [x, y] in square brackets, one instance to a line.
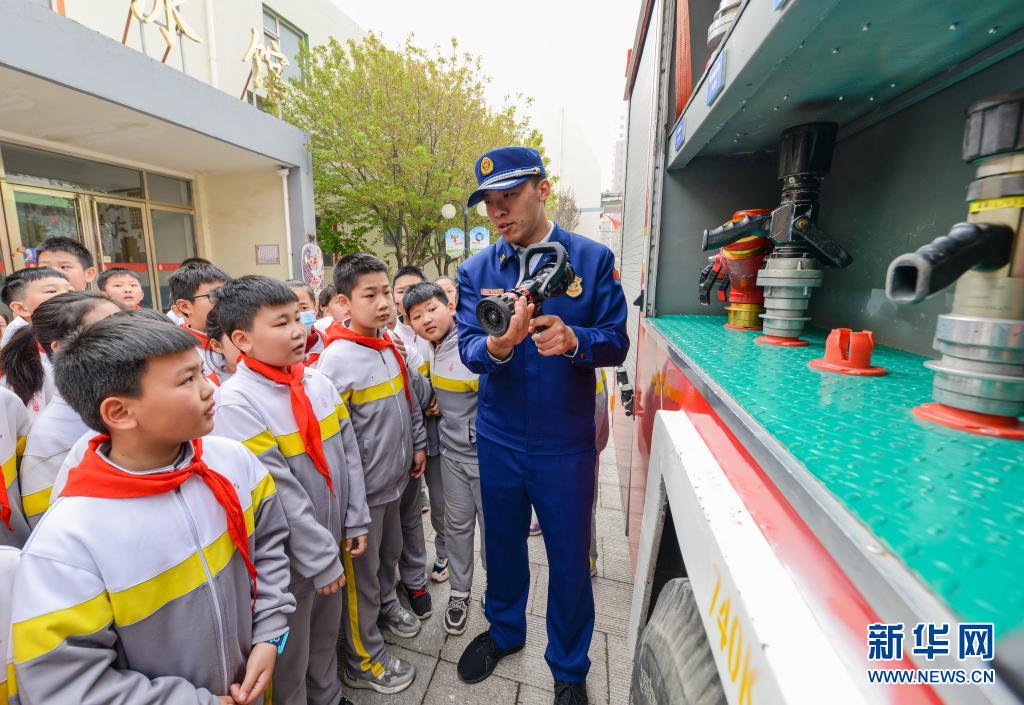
[524, 679]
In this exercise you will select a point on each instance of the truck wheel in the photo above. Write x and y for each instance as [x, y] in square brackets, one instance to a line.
[673, 664]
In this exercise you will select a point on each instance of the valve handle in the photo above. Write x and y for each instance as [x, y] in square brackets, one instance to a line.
[826, 249]
[731, 232]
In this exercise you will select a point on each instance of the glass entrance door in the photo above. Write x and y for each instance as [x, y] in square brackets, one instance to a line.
[35, 214]
[123, 238]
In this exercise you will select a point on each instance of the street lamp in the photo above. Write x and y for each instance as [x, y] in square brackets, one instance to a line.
[451, 209]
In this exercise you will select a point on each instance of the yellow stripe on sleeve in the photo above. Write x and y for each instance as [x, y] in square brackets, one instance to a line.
[37, 502]
[424, 369]
[455, 385]
[9, 470]
[260, 443]
[10, 688]
[378, 391]
[40, 635]
[262, 491]
[22, 440]
[342, 411]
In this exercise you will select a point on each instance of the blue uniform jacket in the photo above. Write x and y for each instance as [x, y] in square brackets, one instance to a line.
[531, 403]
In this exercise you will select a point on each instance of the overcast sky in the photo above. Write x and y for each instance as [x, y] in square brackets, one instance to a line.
[567, 54]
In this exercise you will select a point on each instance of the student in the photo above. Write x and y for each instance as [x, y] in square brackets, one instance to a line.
[163, 551]
[58, 427]
[3, 323]
[26, 289]
[9, 557]
[14, 425]
[450, 288]
[225, 354]
[414, 555]
[294, 421]
[431, 314]
[331, 308]
[70, 258]
[121, 285]
[191, 288]
[373, 379]
[304, 292]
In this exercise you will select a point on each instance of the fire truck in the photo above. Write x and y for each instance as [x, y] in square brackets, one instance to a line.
[817, 428]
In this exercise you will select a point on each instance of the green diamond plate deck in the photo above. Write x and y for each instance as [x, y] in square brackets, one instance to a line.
[950, 505]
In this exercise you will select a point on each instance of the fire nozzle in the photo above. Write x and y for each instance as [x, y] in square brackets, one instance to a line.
[800, 247]
[734, 269]
[978, 385]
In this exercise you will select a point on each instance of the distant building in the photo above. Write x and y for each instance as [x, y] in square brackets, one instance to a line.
[136, 134]
[619, 159]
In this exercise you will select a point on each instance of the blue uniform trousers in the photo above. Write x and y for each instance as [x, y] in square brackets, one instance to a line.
[561, 490]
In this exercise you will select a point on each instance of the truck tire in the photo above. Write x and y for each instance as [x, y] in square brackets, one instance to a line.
[673, 663]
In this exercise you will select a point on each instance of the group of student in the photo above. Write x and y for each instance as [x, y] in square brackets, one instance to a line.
[180, 527]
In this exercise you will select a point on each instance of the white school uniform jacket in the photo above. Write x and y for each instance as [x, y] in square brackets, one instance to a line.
[14, 425]
[146, 600]
[387, 427]
[258, 412]
[456, 388]
[8, 568]
[53, 434]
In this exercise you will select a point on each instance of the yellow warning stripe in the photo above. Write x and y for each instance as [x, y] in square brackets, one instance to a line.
[342, 411]
[291, 444]
[11, 688]
[992, 204]
[353, 617]
[40, 635]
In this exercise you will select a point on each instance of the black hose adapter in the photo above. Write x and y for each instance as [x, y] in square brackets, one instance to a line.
[917, 275]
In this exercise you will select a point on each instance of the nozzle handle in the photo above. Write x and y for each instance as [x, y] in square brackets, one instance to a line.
[913, 277]
[731, 232]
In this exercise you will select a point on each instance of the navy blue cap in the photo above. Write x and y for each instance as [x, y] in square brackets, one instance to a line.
[505, 168]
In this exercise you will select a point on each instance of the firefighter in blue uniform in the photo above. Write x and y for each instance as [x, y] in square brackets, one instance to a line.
[535, 423]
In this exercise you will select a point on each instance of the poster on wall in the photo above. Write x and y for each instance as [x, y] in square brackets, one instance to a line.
[268, 254]
[454, 245]
[479, 238]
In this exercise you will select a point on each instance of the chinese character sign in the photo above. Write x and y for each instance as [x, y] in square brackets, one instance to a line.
[973, 641]
[267, 63]
[173, 22]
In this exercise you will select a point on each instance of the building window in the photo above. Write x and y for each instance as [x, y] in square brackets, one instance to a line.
[290, 38]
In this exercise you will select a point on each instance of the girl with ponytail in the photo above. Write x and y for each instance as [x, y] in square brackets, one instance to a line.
[29, 374]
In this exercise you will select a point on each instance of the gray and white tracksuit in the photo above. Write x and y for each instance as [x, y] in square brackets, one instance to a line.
[258, 412]
[456, 389]
[144, 600]
[388, 430]
[14, 427]
[54, 433]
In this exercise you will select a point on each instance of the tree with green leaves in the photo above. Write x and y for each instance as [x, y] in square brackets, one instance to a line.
[394, 135]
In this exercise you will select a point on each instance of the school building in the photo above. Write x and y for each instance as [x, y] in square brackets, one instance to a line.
[133, 127]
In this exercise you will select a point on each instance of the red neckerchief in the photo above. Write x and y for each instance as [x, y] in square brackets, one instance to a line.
[5, 505]
[302, 409]
[338, 331]
[94, 476]
[203, 338]
[214, 378]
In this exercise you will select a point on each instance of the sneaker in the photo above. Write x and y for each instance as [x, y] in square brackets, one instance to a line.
[402, 623]
[345, 701]
[571, 693]
[419, 601]
[535, 528]
[456, 615]
[424, 502]
[397, 676]
[481, 657]
[439, 573]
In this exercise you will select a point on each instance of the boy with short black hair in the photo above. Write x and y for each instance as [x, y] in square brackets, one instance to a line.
[121, 285]
[373, 379]
[455, 386]
[191, 288]
[295, 422]
[24, 290]
[163, 552]
[413, 564]
[70, 258]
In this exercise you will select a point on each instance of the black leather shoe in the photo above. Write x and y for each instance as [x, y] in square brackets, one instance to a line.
[481, 657]
[571, 693]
